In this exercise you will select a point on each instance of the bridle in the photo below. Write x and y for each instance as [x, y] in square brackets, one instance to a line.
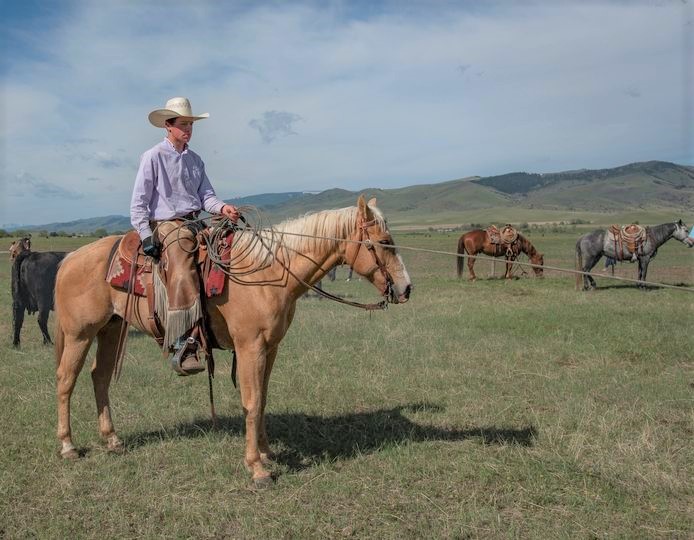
[388, 292]
[364, 240]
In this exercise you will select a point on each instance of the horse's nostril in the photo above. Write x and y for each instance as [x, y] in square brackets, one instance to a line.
[408, 290]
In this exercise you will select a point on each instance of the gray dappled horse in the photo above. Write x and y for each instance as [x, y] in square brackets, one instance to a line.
[592, 246]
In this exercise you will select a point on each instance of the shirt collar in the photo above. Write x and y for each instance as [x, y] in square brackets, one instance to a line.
[173, 148]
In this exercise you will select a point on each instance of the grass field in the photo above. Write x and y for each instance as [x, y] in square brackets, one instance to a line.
[488, 409]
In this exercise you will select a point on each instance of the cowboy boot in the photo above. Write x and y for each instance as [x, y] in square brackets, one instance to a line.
[185, 360]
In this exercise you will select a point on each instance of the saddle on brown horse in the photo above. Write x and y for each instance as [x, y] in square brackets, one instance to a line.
[505, 238]
[507, 235]
[632, 236]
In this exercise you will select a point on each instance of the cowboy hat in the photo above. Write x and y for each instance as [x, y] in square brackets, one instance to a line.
[178, 106]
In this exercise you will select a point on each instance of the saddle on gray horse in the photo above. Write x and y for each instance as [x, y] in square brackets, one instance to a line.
[632, 236]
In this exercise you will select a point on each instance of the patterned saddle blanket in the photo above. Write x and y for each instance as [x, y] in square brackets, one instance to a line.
[121, 267]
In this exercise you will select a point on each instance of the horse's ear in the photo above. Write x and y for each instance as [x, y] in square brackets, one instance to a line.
[680, 222]
[372, 201]
[363, 207]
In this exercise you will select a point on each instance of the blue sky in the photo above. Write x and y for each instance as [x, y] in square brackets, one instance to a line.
[316, 95]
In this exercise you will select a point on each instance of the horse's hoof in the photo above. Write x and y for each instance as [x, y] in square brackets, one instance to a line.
[263, 482]
[117, 448]
[70, 455]
[267, 458]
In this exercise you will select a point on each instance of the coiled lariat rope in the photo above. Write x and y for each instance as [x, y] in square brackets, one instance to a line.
[241, 264]
[252, 224]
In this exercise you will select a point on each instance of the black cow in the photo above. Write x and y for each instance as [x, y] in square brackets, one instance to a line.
[33, 281]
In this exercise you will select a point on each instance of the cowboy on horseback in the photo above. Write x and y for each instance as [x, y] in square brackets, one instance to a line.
[171, 188]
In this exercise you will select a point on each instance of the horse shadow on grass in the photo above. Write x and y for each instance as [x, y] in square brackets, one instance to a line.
[635, 287]
[304, 440]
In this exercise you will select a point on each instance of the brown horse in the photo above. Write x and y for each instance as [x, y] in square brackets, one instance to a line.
[251, 317]
[478, 241]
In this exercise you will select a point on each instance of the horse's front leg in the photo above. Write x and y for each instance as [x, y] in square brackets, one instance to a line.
[643, 269]
[509, 266]
[252, 362]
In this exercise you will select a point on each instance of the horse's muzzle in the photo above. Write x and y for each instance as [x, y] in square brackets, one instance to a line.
[405, 296]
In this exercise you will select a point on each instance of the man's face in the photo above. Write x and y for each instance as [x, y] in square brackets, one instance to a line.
[181, 129]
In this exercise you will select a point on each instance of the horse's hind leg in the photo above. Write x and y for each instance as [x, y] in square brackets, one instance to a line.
[471, 268]
[102, 370]
[74, 352]
[266, 454]
[588, 281]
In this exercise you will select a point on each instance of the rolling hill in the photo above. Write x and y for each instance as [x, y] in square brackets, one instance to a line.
[645, 190]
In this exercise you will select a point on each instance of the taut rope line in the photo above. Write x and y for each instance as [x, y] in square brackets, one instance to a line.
[224, 223]
[531, 265]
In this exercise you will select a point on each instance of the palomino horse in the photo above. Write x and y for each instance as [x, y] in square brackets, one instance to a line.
[478, 241]
[251, 316]
[592, 246]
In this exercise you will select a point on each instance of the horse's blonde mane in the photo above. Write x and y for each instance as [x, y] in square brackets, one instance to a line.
[309, 233]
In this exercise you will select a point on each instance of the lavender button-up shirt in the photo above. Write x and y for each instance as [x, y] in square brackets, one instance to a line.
[170, 185]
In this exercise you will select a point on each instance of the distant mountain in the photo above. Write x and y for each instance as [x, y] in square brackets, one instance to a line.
[88, 225]
[265, 199]
[647, 186]
[637, 185]
[662, 172]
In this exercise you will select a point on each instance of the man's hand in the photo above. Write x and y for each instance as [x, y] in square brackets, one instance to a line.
[150, 248]
[231, 212]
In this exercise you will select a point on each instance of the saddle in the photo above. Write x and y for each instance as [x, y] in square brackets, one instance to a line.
[633, 236]
[129, 269]
[507, 235]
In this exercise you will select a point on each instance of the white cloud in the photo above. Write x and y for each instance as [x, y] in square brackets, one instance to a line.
[385, 99]
[274, 124]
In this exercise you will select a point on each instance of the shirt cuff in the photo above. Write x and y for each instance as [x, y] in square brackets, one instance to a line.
[144, 231]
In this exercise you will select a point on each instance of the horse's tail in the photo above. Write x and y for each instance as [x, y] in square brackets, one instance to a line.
[579, 265]
[461, 260]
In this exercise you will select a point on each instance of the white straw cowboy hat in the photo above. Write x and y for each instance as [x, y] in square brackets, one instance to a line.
[178, 106]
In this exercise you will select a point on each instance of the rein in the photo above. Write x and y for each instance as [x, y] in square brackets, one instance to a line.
[363, 240]
[382, 305]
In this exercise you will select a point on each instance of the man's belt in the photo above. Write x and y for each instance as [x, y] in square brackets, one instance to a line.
[191, 215]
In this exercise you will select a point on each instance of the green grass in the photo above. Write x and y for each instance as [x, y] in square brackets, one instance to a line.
[487, 409]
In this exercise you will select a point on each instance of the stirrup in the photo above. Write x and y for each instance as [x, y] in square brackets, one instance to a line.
[180, 354]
